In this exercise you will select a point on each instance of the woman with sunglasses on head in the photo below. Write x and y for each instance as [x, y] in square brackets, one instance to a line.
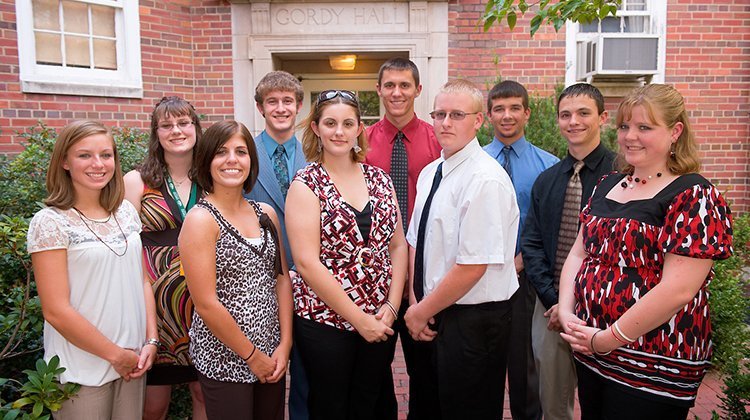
[162, 192]
[86, 253]
[241, 333]
[633, 290]
[350, 253]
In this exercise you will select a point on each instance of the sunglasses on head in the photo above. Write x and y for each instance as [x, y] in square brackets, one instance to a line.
[327, 95]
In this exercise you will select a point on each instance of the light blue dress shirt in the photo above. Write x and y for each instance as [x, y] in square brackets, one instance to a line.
[526, 163]
[290, 146]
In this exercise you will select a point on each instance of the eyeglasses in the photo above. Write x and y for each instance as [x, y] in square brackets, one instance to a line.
[182, 125]
[327, 95]
[454, 115]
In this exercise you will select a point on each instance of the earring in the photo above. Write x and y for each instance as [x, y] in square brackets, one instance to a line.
[320, 145]
[671, 151]
[357, 149]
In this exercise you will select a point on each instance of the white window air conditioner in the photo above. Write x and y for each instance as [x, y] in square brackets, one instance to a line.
[617, 56]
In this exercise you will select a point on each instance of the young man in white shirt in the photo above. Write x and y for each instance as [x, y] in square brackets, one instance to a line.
[462, 239]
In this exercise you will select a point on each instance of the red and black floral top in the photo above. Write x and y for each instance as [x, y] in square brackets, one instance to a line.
[626, 244]
[362, 268]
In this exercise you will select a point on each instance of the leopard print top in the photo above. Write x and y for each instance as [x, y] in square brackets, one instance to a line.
[246, 286]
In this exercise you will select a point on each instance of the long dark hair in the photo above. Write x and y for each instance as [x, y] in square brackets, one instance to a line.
[153, 167]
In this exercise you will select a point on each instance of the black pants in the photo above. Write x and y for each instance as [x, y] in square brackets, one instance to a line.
[345, 372]
[523, 380]
[601, 398]
[230, 400]
[423, 401]
[471, 352]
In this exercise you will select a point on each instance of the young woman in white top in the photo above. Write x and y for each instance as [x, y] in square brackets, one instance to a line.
[86, 253]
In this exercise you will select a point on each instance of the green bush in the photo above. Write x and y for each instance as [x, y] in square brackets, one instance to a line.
[730, 306]
[41, 391]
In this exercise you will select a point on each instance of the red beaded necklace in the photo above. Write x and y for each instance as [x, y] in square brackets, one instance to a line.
[632, 182]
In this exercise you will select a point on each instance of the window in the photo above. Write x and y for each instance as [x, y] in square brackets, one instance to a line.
[626, 48]
[80, 47]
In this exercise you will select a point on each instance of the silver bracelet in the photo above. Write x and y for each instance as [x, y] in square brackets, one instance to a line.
[393, 310]
[619, 331]
[152, 341]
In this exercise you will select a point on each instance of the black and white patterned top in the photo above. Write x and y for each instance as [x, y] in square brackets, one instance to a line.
[246, 286]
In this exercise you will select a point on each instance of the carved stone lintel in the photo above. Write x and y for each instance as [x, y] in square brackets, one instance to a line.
[261, 18]
[418, 16]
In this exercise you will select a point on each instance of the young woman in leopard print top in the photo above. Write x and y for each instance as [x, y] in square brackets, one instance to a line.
[242, 326]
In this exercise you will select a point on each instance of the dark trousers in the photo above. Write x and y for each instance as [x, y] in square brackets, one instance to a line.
[298, 387]
[423, 402]
[345, 372]
[471, 352]
[231, 400]
[601, 398]
[523, 380]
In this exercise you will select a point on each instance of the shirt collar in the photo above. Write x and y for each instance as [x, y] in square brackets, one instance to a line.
[496, 147]
[270, 144]
[591, 161]
[459, 157]
[409, 130]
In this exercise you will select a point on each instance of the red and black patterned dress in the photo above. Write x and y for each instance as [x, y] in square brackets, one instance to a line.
[362, 268]
[626, 244]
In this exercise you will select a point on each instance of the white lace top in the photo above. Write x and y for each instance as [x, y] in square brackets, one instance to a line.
[106, 289]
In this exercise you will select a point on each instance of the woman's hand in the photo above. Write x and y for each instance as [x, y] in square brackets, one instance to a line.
[261, 365]
[581, 339]
[281, 358]
[385, 315]
[566, 318]
[373, 329]
[145, 360]
[125, 361]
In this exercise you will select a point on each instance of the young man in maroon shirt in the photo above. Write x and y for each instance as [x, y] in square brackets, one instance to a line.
[402, 144]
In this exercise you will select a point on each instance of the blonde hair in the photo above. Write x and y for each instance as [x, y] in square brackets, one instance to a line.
[59, 184]
[311, 145]
[663, 105]
[463, 86]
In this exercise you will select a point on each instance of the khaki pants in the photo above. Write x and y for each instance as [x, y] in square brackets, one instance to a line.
[116, 400]
[554, 363]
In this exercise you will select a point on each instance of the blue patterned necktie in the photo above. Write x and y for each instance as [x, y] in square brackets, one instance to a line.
[506, 165]
[280, 168]
[400, 177]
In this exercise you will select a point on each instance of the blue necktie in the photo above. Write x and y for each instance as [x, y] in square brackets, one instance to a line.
[506, 165]
[419, 255]
[280, 168]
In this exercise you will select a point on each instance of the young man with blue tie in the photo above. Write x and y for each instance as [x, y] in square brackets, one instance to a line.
[278, 98]
[508, 111]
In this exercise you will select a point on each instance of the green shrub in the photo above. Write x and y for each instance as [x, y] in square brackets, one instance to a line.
[730, 306]
[41, 392]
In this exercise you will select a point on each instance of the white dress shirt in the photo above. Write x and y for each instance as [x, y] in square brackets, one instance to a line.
[473, 220]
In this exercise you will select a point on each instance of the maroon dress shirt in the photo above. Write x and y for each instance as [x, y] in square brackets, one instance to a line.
[421, 146]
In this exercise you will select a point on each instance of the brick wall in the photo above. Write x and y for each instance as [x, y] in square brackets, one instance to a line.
[708, 61]
[185, 50]
[482, 57]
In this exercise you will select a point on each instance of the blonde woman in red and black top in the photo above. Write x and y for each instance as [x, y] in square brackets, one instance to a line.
[350, 252]
[633, 291]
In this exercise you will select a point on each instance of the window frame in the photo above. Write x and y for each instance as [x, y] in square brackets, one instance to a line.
[656, 10]
[124, 82]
